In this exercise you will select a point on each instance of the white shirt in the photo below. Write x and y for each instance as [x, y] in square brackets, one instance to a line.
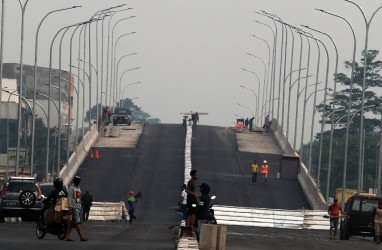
[184, 196]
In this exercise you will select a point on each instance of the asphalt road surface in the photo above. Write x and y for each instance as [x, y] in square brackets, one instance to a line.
[156, 168]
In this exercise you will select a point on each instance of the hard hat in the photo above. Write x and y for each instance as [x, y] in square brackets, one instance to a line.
[265, 161]
[131, 193]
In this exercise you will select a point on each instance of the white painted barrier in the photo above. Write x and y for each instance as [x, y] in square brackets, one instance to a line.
[273, 218]
[108, 211]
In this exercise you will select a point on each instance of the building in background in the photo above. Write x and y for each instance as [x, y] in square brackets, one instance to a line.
[9, 103]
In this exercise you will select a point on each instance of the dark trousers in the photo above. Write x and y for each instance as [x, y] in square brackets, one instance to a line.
[132, 216]
[254, 177]
[85, 213]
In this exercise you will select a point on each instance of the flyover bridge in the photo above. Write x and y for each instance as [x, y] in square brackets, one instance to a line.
[151, 159]
[222, 155]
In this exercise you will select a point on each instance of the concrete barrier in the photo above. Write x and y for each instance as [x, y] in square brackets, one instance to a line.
[272, 218]
[212, 237]
[307, 183]
[103, 211]
[309, 187]
[77, 158]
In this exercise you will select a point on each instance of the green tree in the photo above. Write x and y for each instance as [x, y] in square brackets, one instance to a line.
[371, 127]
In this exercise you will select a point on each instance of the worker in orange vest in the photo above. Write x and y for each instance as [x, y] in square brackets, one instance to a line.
[265, 170]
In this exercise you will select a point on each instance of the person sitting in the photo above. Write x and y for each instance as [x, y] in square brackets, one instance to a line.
[53, 197]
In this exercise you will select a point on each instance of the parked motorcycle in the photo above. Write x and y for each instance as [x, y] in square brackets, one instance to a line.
[212, 219]
[58, 229]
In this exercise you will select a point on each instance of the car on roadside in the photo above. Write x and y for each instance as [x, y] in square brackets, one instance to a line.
[359, 220]
[20, 197]
[121, 116]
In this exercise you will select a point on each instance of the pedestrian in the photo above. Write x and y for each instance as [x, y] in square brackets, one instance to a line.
[87, 202]
[132, 202]
[250, 123]
[378, 222]
[255, 171]
[334, 215]
[183, 203]
[266, 124]
[74, 206]
[203, 214]
[191, 199]
[246, 122]
[264, 171]
[109, 114]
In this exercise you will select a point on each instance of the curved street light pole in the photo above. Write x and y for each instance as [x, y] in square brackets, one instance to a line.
[259, 90]
[117, 67]
[9, 97]
[23, 6]
[307, 35]
[288, 109]
[124, 72]
[361, 155]
[349, 104]
[123, 92]
[257, 98]
[298, 91]
[281, 60]
[108, 56]
[83, 108]
[47, 148]
[273, 70]
[114, 60]
[264, 84]
[323, 111]
[247, 108]
[90, 90]
[49, 95]
[35, 79]
[333, 117]
[266, 79]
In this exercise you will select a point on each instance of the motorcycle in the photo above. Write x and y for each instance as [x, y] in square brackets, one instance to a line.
[55, 228]
[211, 212]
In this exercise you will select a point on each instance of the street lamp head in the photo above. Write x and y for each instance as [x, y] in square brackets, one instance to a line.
[320, 10]
[76, 6]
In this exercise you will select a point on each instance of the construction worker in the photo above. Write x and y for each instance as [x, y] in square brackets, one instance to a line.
[255, 171]
[265, 170]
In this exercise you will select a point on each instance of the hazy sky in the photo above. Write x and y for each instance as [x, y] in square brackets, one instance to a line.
[191, 52]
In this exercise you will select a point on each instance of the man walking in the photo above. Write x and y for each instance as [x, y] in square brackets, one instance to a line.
[87, 202]
[334, 213]
[74, 205]
[264, 171]
[378, 222]
[255, 171]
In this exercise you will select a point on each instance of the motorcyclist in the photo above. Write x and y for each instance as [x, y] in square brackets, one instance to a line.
[54, 195]
[202, 214]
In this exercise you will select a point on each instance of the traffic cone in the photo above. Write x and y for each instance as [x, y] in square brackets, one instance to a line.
[96, 154]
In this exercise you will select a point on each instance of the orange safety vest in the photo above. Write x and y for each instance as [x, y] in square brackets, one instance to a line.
[264, 169]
